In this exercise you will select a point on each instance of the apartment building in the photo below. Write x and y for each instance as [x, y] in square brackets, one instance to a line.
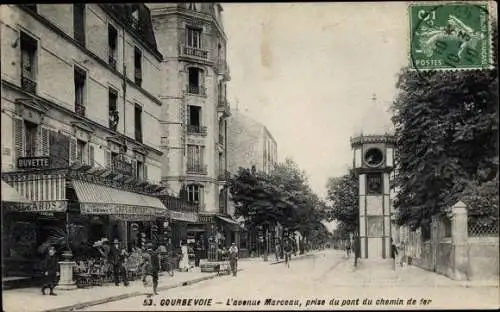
[192, 39]
[81, 118]
[250, 144]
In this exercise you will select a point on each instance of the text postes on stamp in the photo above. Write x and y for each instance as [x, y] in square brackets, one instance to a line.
[449, 36]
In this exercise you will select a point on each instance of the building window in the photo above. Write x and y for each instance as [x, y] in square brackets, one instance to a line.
[113, 109]
[374, 183]
[138, 122]
[28, 62]
[137, 67]
[112, 45]
[79, 22]
[194, 80]
[194, 194]
[194, 121]
[82, 152]
[193, 37]
[80, 85]
[139, 173]
[115, 158]
[195, 154]
[31, 139]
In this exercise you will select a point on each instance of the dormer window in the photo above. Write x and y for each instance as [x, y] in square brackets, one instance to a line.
[135, 18]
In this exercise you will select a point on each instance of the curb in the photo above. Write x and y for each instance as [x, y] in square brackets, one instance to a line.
[87, 304]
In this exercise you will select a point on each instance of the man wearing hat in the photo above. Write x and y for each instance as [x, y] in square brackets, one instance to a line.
[117, 257]
[155, 265]
[233, 258]
[50, 270]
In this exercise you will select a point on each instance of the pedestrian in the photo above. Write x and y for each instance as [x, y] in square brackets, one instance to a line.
[356, 249]
[288, 252]
[348, 247]
[233, 258]
[155, 267]
[197, 253]
[394, 253]
[50, 269]
[117, 257]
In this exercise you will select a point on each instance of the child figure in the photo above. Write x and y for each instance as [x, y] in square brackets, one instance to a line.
[147, 272]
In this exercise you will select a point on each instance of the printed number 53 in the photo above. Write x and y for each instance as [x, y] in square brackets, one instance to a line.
[147, 302]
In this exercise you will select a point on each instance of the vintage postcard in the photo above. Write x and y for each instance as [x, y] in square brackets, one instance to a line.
[202, 156]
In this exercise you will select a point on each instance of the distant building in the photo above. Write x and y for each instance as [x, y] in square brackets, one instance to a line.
[250, 144]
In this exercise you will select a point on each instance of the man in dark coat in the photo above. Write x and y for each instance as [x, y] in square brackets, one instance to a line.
[155, 266]
[117, 257]
[50, 270]
[356, 248]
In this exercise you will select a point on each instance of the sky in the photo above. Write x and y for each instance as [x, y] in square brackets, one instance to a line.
[308, 72]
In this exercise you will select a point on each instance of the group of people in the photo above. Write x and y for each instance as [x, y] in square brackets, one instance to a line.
[116, 256]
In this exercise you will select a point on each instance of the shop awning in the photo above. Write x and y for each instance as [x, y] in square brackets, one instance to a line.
[98, 199]
[183, 216]
[10, 195]
[235, 225]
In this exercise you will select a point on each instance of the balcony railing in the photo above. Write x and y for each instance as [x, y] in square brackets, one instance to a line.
[197, 169]
[200, 130]
[177, 204]
[224, 175]
[193, 52]
[28, 84]
[197, 90]
[80, 109]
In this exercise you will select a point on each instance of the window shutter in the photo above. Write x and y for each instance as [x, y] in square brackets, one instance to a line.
[134, 168]
[72, 150]
[19, 137]
[43, 141]
[107, 159]
[91, 155]
[145, 172]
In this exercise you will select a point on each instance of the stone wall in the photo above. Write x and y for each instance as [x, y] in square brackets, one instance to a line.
[459, 255]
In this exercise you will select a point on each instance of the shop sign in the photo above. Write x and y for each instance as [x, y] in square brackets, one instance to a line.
[41, 162]
[134, 218]
[183, 216]
[42, 206]
[115, 209]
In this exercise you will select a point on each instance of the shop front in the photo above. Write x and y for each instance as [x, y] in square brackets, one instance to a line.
[70, 209]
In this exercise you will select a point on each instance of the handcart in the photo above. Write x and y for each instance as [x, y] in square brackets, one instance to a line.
[225, 267]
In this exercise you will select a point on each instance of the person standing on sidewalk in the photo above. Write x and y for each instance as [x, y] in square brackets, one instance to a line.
[394, 253]
[357, 249]
[50, 269]
[233, 258]
[155, 267]
[117, 257]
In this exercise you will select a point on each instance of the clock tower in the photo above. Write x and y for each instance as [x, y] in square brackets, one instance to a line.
[373, 163]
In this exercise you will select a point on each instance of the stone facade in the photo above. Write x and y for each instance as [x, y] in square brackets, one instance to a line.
[193, 93]
[42, 56]
[250, 144]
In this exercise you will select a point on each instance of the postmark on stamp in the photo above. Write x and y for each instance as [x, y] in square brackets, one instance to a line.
[450, 36]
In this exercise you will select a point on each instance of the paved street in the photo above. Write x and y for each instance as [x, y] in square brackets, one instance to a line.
[324, 280]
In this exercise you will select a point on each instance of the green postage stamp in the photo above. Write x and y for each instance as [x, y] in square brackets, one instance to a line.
[450, 36]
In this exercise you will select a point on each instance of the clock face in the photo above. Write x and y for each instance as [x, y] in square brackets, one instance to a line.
[374, 157]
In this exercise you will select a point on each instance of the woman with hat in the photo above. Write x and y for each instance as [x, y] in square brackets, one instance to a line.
[117, 257]
[50, 269]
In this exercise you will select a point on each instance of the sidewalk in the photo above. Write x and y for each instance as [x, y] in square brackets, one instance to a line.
[373, 273]
[31, 299]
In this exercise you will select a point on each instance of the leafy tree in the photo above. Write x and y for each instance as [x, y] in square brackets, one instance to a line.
[446, 130]
[281, 196]
[343, 193]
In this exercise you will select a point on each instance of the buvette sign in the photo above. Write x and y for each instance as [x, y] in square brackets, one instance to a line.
[42, 162]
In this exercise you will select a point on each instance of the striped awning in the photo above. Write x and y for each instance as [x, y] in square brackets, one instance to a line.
[98, 199]
[10, 195]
